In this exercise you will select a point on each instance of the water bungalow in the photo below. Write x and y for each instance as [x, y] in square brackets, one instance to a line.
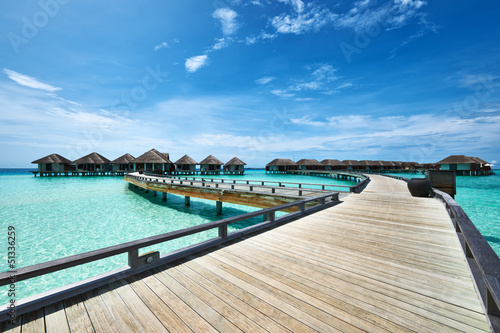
[211, 166]
[185, 166]
[154, 161]
[234, 166]
[309, 164]
[330, 165]
[354, 165]
[123, 163]
[465, 165]
[52, 164]
[281, 165]
[92, 162]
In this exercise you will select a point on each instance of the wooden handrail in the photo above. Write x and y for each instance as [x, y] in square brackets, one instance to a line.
[132, 247]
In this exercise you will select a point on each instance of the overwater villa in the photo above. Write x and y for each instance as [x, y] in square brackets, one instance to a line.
[53, 163]
[353, 165]
[154, 161]
[281, 165]
[92, 162]
[309, 164]
[211, 166]
[234, 166]
[123, 163]
[330, 165]
[185, 166]
[465, 165]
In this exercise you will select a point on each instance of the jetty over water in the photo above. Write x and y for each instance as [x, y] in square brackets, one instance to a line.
[381, 260]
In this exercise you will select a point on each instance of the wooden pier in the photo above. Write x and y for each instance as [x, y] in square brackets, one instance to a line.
[253, 193]
[380, 261]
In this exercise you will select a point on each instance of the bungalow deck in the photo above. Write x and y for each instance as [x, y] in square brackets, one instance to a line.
[380, 261]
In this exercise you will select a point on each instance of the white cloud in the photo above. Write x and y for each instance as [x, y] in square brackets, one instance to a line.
[345, 85]
[221, 43]
[195, 63]
[29, 81]
[227, 19]
[282, 93]
[306, 120]
[160, 46]
[303, 19]
[265, 80]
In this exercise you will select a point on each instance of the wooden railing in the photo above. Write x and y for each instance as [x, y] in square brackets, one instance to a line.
[137, 263]
[483, 261]
[259, 183]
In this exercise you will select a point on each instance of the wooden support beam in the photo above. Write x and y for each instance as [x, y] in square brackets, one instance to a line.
[218, 205]
[187, 200]
[164, 197]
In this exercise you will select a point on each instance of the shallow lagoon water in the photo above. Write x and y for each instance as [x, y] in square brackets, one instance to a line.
[55, 217]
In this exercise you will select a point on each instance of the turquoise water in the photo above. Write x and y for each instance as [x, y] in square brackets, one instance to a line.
[55, 217]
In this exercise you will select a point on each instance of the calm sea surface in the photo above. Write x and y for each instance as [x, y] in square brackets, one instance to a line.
[61, 216]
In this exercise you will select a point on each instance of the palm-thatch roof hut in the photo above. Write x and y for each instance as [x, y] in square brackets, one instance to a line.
[279, 165]
[92, 162]
[234, 166]
[185, 165]
[465, 165]
[210, 166]
[330, 164]
[123, 163]
[372, 165]
[53, 163]
[353, 164]
[309, 164]
[153, 161]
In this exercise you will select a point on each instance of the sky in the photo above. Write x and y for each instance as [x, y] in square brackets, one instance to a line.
[404, 80]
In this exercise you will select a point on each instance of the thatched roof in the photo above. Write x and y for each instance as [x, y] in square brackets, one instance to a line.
[281, 161]
[355, 163]
[235, 161]
[388, 163]
[462, 159]
[331, 162]
[479, 160]
[185, 160]
[306, 161]
[92, 158]
[124, 159]
[52, 158]
[374, 163]
[153, 156]
[211, 160]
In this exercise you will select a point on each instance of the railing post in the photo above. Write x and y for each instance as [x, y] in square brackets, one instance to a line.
[133, 258]
[223, 231]
[273, 190]
[272, 217]
[300, 193]
[302, 207]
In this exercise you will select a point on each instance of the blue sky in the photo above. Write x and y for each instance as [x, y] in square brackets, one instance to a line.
[405, 80]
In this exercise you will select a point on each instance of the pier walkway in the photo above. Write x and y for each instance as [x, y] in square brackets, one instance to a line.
[379, 261]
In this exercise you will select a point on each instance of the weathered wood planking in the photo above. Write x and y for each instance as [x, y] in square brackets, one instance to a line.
[380, 261]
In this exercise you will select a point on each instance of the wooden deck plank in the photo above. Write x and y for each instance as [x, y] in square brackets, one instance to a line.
[186, 313]
[224, 309]
[99, 315]
[381, 303]
[161, 310]
[7, 327]
[267, 309]
[77, 316]
[309, 310]
[205, 310]
[138, 308]
[252, 313]
[33, 322]
[55, 318]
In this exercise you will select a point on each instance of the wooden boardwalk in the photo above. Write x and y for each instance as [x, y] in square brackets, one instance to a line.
[380, 261]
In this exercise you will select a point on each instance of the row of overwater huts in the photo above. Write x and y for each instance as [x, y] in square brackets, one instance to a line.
[151, 161]
[463, 165]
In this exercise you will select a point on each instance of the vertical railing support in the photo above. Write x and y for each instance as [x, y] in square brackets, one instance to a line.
[223, 231]
[133, 258]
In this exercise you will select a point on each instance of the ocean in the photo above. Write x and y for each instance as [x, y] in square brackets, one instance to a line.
[55, 217]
